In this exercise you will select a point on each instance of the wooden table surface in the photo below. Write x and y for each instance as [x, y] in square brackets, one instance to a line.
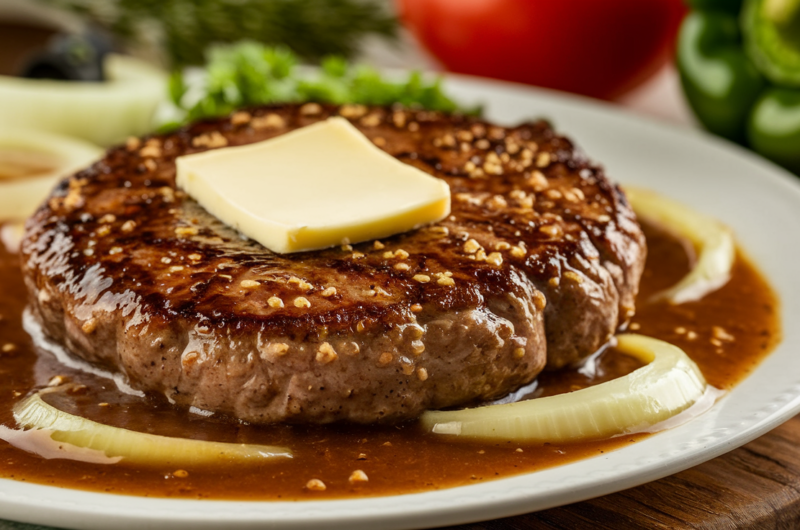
[754, 487]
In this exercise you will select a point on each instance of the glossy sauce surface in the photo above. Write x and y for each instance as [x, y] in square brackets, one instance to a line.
[727, 334]
[16, 164]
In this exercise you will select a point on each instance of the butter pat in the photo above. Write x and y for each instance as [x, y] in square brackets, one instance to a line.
[313, 188]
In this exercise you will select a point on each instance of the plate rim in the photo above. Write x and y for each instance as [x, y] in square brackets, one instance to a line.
[42, 504]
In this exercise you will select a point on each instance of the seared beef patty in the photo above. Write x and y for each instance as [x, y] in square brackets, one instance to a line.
[538, 264]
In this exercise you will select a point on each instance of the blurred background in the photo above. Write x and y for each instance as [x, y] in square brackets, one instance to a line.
[732, 67]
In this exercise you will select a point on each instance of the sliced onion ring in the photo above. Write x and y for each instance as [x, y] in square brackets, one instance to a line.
[712, 240]
[100, 112]
[669, 384]
[131, 446]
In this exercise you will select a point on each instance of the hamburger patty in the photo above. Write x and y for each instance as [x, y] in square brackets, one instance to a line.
[538, 265]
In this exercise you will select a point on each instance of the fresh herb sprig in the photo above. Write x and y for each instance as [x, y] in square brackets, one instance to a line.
[183, 29]
[249, 74]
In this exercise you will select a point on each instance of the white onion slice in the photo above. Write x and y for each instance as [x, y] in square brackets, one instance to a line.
[131, 446]
[712, 240]
[100, 112]
[669, 384]
[19, 197]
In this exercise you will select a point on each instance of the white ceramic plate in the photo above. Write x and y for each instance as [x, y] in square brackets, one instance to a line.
[760, 202]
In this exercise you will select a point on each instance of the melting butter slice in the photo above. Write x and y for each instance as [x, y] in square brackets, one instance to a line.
[313, 188]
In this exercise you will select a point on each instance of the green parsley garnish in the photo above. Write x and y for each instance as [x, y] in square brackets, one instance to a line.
[250, 74]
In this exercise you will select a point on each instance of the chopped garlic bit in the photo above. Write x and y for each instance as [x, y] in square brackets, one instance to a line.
[720, 333]
[472, 246]
[301, 302]
[385, 358]
[326, 353]
[276, 349]
[358, 476]
[241, 118]
[495, 258]
[316, 485]
[275, 302]
[88, 327]
[301, 284]
[270, 121]
[186, 231]
[518, 252]
[210, 140]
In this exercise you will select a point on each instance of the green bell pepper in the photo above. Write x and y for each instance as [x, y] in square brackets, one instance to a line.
[774, 127]
[772, 38]
[739, 63]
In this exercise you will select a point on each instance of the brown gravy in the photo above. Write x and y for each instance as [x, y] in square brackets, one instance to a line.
[17, 164]
[727, 333]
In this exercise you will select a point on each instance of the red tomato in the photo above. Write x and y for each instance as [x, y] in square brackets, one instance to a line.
[600, 48]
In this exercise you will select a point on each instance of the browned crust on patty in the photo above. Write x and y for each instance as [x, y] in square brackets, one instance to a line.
[540, 259]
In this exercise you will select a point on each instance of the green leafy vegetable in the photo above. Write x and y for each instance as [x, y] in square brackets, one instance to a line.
[772, 39]
[249, 74]
[183, 29]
